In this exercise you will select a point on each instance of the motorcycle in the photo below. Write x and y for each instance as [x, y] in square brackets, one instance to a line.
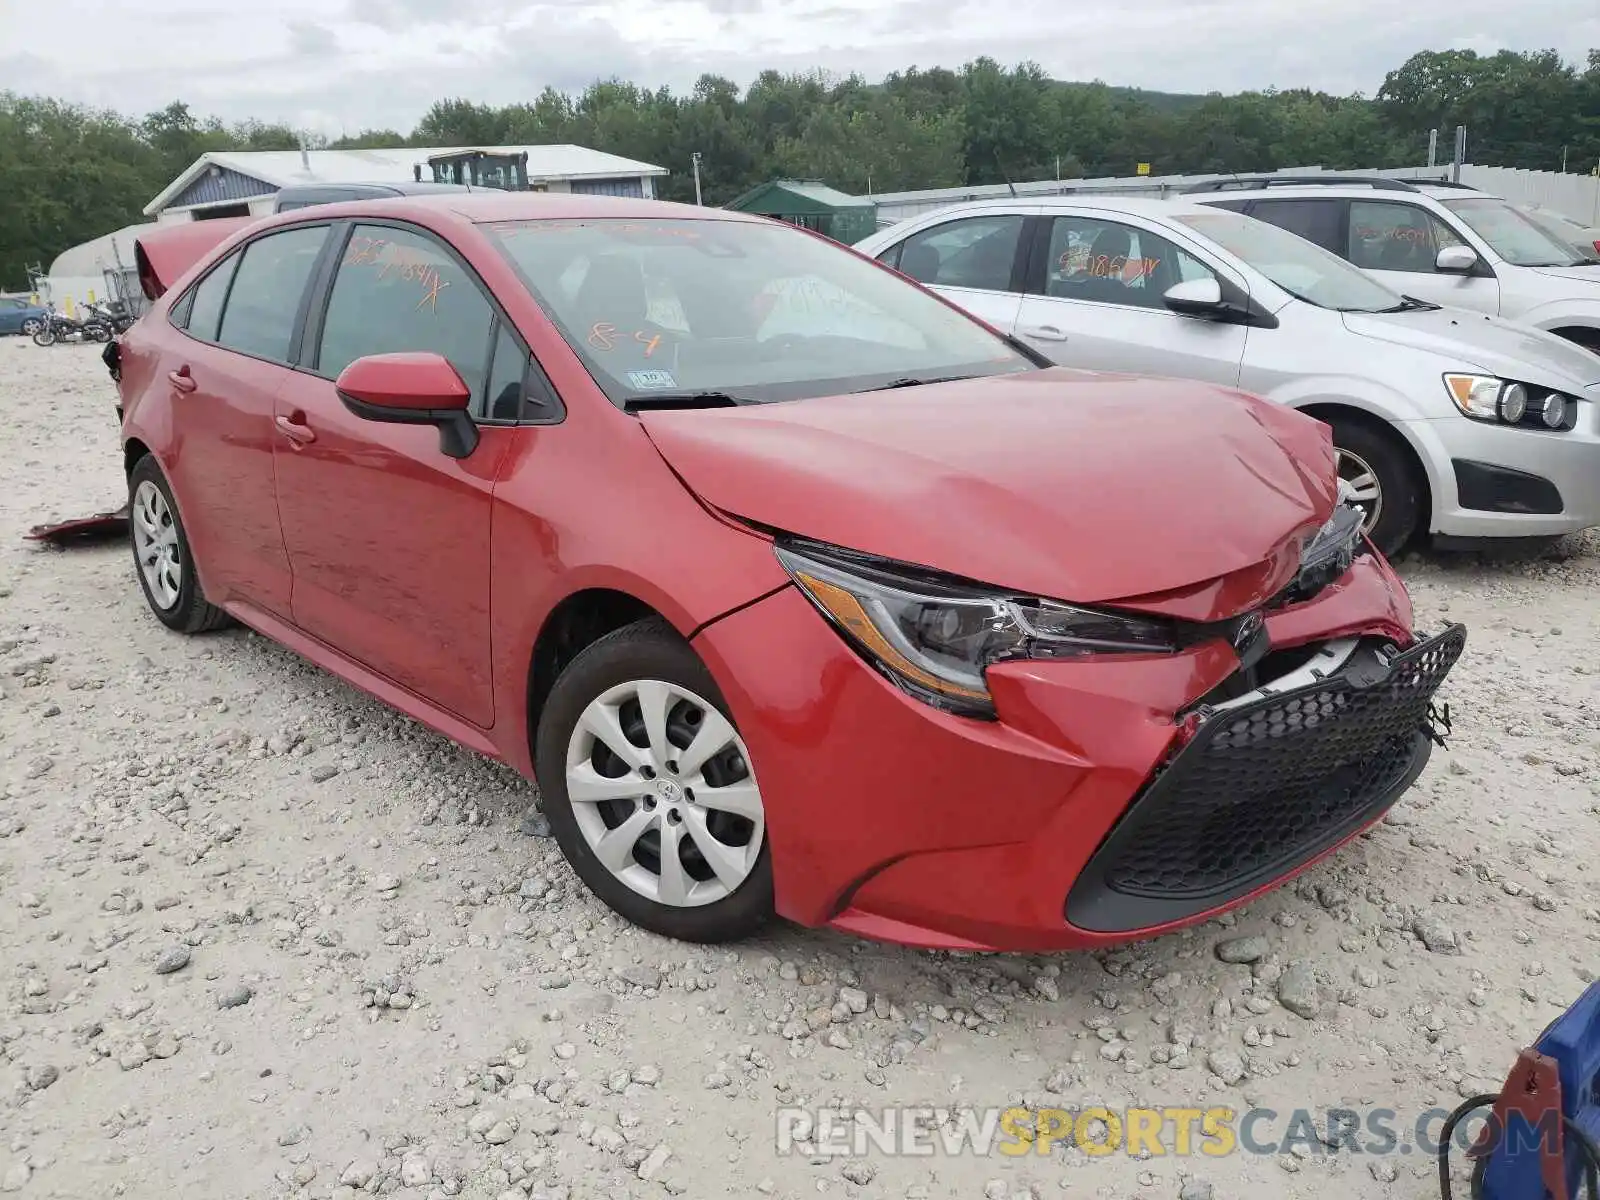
[113, 314]
[58, 327]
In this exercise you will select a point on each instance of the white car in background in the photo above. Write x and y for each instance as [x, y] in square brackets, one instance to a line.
[1447, 422]
[1442, 242]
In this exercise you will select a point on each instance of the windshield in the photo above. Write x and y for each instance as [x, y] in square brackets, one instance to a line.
[1301, 268]
[755, 311]
[1565, 230]
[1514, 238]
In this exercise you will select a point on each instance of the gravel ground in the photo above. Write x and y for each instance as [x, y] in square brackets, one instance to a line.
[261, 936]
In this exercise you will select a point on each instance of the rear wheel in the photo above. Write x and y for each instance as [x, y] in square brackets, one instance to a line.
[31, 326]
[1385, 483]
[162, 556]
[649, 788]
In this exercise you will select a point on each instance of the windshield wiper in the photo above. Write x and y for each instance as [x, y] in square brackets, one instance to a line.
[684, 400]
[1410, 304]
[912, 381]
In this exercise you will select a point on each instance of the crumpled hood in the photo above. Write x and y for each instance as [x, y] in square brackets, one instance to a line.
[1489, 344]
[1058, 483]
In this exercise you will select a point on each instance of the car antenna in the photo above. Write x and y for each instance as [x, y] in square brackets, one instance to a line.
[1003, 175]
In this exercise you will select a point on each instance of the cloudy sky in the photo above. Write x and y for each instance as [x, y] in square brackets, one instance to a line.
[338, 65]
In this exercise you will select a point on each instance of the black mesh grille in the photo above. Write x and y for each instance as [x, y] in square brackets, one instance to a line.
[1264, 787]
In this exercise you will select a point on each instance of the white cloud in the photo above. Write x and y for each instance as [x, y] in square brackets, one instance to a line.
[340, 65]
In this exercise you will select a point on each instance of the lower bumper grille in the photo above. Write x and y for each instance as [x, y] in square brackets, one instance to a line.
[1264, 787]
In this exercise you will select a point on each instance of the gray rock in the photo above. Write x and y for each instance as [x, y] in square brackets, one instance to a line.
[654, 1162]
[236, 996]
[358, 1174]
[41, 1077]
[640, 976]
[173, 958]
[1243, 949]
[1226, 1065]
[859, 1172]
[1433, 933]
[323, 773]
[535, 824]
[15, 1177]
[1298, 990]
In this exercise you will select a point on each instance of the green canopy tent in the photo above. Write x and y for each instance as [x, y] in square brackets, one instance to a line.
[814, 205]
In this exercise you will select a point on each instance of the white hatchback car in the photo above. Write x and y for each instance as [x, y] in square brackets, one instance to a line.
[1438, 241]
[1447, 422]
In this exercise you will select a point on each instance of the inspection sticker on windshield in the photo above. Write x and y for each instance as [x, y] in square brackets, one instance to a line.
[649, 380]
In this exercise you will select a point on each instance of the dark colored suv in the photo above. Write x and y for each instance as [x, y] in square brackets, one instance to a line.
[305, 195]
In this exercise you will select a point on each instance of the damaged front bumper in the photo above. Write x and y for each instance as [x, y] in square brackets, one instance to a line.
[1268, 781]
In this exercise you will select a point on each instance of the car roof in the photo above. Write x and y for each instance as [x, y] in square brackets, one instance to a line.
[380, 187]
[482, 207]
[1147, 206]
[1343, 191]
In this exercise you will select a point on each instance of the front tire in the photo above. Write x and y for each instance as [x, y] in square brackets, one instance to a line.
[44, 336]
[649, 788]
[161, 555]
[1388, 488]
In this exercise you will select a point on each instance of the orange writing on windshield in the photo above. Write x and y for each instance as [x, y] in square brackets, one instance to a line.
[603, 336]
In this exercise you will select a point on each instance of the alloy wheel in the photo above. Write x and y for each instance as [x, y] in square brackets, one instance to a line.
[155, 545]
[31, 326]
[1365, 492]
[661, 788]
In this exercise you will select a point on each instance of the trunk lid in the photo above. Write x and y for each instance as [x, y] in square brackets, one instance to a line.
[1059, 483]
[164, 255]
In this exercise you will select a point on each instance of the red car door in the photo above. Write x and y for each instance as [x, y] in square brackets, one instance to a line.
[388, 537]
[224, 371]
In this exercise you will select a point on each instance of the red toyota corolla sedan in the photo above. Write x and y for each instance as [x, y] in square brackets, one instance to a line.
[795, 589]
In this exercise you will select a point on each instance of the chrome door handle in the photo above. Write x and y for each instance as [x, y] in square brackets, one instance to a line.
[1044, 333]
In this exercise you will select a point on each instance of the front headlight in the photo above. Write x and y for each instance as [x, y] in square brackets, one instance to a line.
[1506, 402]
[934, 636]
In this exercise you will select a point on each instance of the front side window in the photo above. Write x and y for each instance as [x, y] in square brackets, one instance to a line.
[1514, 238]
[754, 310]
[204, 305]
[400, 291]
[1396, 237]
[1113, 263]
[975, 252]
[1305, 271]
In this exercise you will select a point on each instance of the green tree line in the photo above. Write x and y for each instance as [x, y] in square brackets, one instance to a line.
[69, 173]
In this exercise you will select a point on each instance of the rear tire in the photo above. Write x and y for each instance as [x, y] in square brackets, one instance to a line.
[1388, 485]
[680, 783]
[161, 555]
[30, 326]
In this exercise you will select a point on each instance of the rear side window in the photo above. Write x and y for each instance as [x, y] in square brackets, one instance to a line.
[205, 301]
[975, 252]
[1318, 221]
[398, 291]
[268, 286]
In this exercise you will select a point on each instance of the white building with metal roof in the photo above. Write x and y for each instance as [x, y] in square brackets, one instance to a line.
[243, 183]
